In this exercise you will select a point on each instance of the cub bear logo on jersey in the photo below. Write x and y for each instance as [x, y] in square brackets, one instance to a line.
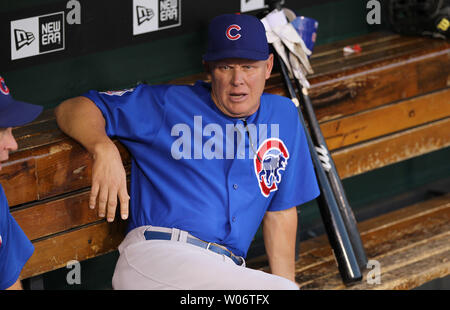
[269, 161]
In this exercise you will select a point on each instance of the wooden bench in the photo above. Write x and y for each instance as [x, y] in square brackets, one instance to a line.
[411, 246]
[389, 103]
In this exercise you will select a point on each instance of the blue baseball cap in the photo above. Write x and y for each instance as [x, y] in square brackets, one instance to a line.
[236, 36]
[15, 113]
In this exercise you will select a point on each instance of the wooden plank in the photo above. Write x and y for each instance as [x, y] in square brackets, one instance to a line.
[61, 168]
[411, 267]
[405, 268]
[19, 173]
[398, 51]
[81, 244]
[359, 90]
[313, 272]
[51, 217]
[371, 51]
[386, 221]
[38, 134]
[49, 170]
[384, 236]
[421, 209]
[373, 38]
[386, 119]
[419, 273]
[392, 149]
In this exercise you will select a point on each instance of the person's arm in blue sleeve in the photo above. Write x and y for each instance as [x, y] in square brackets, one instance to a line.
[82, 120]
[15, 248]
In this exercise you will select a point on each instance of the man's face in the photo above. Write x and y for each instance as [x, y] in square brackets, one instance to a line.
[7, 144]
[237, 84]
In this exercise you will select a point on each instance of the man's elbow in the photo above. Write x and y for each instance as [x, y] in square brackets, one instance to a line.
[287, 215]
[69, 109]
[62, 109]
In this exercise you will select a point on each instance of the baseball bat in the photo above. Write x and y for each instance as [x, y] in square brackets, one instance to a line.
[333, 177]
[334, 224]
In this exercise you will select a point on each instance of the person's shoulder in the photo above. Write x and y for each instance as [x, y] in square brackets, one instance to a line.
[144, 87]
[153, 91]
[198, 86]
[199, 89]
[279, 104]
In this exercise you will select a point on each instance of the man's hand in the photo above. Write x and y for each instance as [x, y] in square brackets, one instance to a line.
[109, 182]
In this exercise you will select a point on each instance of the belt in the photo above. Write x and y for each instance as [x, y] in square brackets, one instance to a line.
[159, 235]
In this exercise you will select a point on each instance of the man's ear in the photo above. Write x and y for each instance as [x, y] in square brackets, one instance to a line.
[269, 63]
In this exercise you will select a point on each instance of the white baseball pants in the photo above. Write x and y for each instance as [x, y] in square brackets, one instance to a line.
[166, 264]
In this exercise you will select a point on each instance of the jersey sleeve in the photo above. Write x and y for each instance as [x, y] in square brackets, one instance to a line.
[15, 248]
[299, 182]
[131, 113]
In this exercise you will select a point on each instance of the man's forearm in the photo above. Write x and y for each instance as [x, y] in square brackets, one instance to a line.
[82, 120]
[280, 230]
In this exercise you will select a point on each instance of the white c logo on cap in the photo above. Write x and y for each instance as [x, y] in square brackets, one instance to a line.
[235, 36]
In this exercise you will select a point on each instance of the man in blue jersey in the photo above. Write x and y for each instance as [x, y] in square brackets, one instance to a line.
[15, 248]
[210, 162]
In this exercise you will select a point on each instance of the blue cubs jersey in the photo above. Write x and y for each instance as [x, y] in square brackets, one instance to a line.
[196, 169]
[15, 248]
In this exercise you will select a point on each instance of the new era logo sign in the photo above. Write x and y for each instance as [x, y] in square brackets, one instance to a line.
[37, 35]
[154, 15]
[22, 38]
[51, 32]
[143, 14]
